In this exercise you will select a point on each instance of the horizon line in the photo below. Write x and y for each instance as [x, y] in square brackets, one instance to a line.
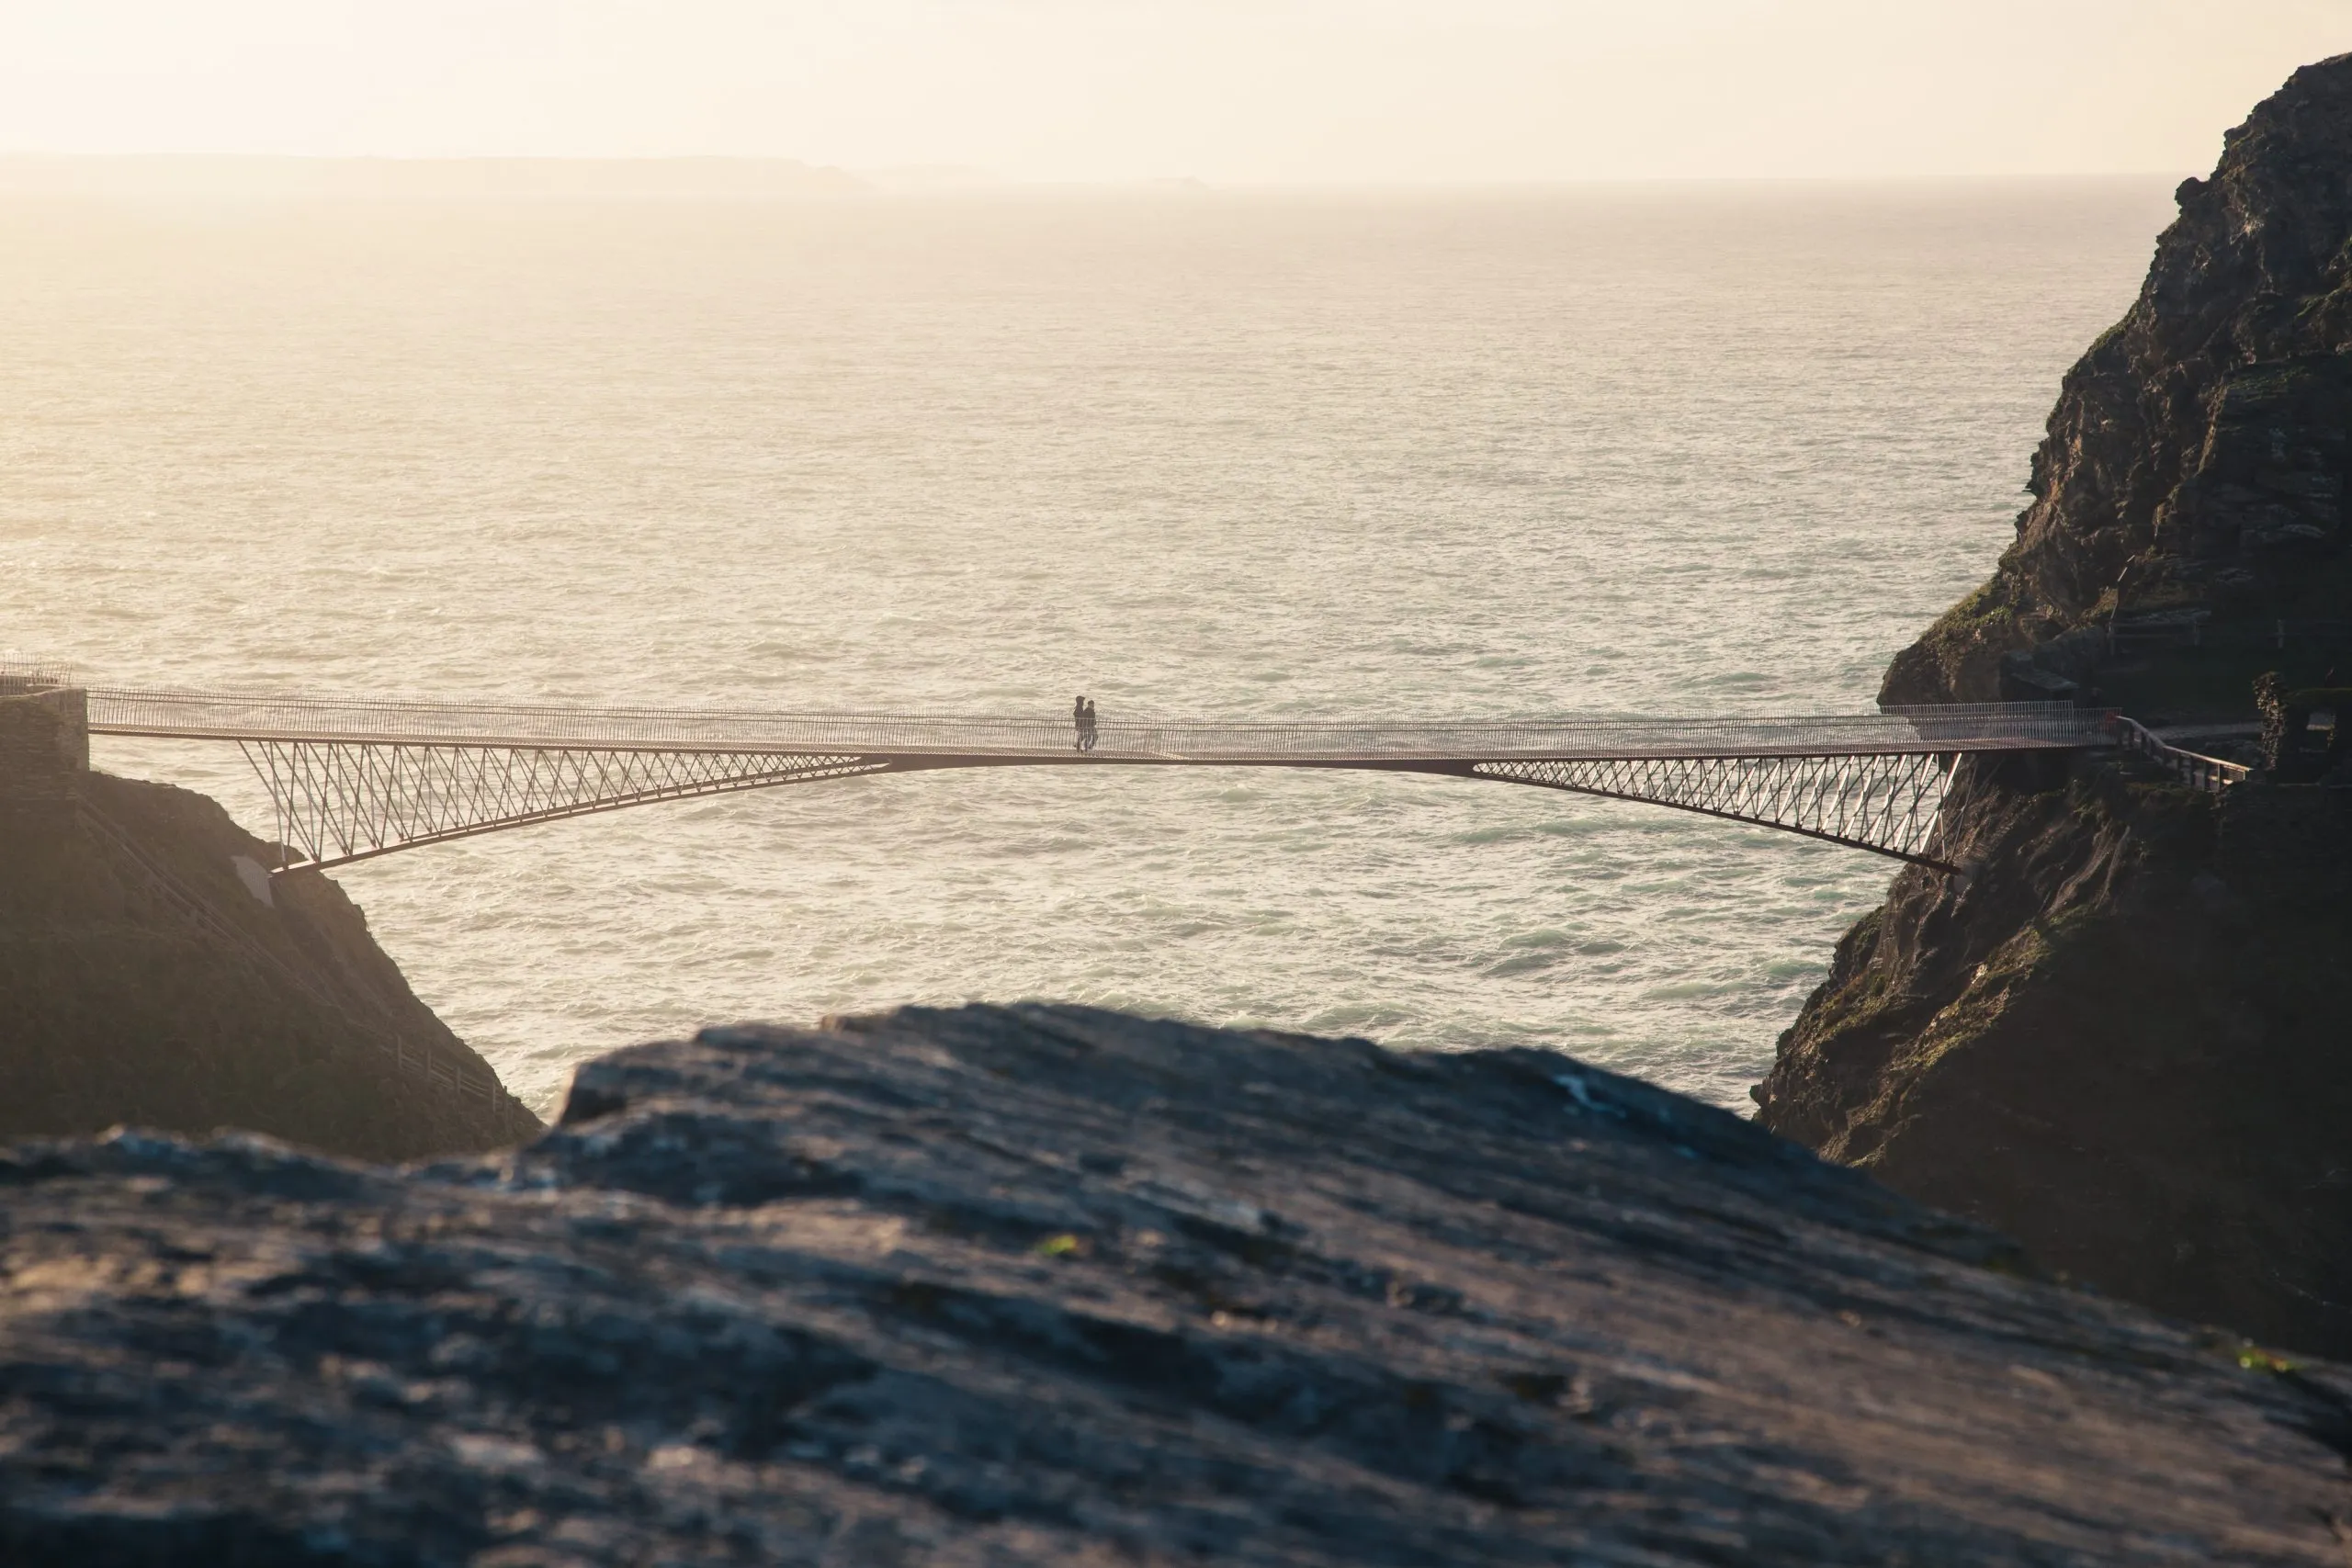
[950, 179]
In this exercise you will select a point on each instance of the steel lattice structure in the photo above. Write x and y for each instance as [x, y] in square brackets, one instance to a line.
[342, 801]
[354, 778]
[1891, 805]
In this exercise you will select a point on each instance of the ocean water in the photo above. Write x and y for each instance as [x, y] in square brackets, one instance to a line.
[1646, 451]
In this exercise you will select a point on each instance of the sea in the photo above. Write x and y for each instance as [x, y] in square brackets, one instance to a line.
[1460, 454]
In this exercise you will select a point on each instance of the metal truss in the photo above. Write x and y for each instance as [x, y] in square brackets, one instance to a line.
[352, 778]
[1890, 804]
[338, 801]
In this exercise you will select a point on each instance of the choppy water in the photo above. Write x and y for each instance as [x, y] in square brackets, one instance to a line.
[1667, 451]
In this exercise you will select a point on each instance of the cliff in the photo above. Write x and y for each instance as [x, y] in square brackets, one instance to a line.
[2122, 1040]
[1056, 1285]
[2196, 464]
[152, 975]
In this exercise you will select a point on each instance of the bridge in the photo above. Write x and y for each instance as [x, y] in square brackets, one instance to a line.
[350, 779]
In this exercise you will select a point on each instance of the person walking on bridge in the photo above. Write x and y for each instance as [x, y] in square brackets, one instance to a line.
[1078, 722]
[1086, 731]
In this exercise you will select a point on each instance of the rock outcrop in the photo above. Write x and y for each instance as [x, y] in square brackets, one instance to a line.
[1048, 1284]
[2198, 456]
[152, 974]
[2123, 1039]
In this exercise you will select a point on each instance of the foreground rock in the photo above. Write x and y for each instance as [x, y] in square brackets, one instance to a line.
[2123, 1040]
[152, 974]
[1054, 1285]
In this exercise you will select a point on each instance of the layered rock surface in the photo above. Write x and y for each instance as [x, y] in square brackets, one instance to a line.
[152, 974]
[1055, 1285]
[2124, 1040]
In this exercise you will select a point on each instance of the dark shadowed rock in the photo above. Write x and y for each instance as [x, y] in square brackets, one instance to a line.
[1054, 1285]
[2124, 1040]
[152, 974]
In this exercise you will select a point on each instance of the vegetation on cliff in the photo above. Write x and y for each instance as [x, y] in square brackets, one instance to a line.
[150, 973]
[2122, 1039]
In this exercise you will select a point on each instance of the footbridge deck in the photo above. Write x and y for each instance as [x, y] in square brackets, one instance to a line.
[352, 778]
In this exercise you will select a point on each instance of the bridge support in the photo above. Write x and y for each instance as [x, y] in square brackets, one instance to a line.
[1889, 805]
[355, 777]
[337, 801]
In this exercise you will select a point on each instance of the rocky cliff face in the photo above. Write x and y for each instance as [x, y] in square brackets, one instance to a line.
[152, 975]
[1056, 1285]
[2123, 1040]
[2124, 1043]
[2199, 456]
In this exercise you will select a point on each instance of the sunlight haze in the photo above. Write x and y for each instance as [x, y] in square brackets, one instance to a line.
[1269, 91]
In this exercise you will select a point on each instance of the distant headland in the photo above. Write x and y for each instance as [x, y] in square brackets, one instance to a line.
[504, 179]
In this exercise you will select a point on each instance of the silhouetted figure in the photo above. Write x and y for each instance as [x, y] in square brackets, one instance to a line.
[1077, 721]
[1086, 732]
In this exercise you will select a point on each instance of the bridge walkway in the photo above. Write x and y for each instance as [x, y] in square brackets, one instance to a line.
[352, 778]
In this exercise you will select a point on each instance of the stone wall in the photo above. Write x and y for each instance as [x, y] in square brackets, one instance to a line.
[44, 742]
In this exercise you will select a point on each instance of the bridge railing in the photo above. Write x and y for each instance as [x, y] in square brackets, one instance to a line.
[229, 715]
[2193, 769]
[21, 672]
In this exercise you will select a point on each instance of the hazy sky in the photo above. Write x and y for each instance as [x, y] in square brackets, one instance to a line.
[1231, 91]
